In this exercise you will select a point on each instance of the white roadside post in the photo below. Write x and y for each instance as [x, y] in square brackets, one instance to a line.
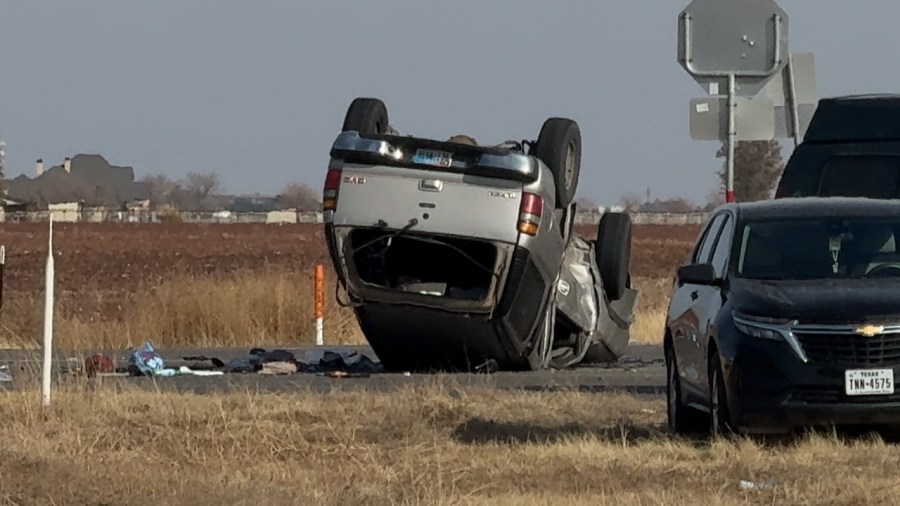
[48, 318]
[320, 304]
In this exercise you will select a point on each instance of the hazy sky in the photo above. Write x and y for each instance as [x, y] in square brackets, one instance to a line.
[257, 91]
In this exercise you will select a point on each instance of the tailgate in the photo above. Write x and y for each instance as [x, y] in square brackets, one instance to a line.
[442, 202]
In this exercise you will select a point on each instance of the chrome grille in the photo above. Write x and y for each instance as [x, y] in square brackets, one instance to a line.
[846, 346]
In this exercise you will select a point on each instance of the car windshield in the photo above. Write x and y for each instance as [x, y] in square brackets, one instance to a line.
[819, 248]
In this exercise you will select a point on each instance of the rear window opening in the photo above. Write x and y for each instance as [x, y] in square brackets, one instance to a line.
[441, 267]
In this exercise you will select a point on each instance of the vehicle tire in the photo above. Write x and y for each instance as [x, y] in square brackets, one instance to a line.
[366, 116]
[682, 419]
[559, 147]
[719, 415]
[613, 253]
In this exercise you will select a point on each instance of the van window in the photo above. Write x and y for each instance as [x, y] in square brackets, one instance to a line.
[861, 176]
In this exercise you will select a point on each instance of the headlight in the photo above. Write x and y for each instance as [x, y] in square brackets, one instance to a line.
[762, 328]
[769, 328]
[760, 332]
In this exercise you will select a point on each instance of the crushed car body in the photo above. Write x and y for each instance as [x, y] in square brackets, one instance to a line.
[453, 255]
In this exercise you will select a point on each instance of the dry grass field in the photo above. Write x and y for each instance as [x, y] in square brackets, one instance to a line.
[118, 285]
[437, 445]
[430, 445]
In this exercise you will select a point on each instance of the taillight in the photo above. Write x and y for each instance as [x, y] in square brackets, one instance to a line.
[530, 209]
[332, 184]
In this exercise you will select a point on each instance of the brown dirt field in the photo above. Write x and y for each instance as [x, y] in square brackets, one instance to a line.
[432, 445]
[215, 284]
[119, 257]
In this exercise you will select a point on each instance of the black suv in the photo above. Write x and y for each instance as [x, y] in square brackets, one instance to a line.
[851, 149]
[787, 315]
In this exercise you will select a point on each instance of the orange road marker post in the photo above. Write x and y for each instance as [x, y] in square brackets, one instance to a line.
[320, 305]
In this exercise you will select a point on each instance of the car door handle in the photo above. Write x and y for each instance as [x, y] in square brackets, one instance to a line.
[694, 295]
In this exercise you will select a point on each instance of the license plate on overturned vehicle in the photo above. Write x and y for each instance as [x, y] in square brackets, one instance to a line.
[433, 157]
[869, 381]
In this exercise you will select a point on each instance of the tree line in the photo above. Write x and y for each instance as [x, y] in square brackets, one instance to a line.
[758, 166]
[203, 192]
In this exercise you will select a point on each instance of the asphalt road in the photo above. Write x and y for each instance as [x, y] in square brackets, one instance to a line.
[640, 371]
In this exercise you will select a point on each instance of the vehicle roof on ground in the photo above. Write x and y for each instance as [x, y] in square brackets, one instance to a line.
[814, 207]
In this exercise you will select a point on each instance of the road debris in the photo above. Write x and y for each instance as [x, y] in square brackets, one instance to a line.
[349, 362]
[98, 364]
[5, 377]
[146, 361]
[278, 368]
[343, 374]
[203, 358]
[749, 485]
[184, 371]
[488, 367]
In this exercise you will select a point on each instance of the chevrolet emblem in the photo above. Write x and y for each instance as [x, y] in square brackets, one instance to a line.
[870, 330]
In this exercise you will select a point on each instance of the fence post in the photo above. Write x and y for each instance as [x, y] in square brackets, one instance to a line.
[48, 319]
[320, 305]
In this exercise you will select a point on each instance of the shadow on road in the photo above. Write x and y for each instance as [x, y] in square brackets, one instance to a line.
[481, 431]
[597, 389]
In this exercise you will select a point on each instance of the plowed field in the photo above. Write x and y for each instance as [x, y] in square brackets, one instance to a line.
[118, 284]
[122, 257]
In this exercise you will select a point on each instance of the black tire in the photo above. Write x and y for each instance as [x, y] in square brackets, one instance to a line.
[719, 414]
[613, 253]
[559, 147]
[682, 419]
[366, 116]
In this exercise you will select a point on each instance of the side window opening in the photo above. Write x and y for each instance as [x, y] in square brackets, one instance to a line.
[702, 253]
[723, 247]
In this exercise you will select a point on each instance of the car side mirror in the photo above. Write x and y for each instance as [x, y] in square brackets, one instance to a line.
[698, 274]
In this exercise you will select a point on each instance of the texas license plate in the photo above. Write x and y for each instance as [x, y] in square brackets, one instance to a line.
[869, 381]
[433, 157]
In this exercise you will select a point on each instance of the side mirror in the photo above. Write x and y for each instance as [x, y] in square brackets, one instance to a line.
[698, 274]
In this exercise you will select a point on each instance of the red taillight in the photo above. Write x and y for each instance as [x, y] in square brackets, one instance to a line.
[530, 210]
[332, 184]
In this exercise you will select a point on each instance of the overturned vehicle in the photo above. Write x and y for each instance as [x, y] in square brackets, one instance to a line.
[456, 256]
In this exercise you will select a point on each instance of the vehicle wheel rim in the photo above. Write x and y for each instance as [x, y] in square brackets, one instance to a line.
[673, 393]
[570, 164]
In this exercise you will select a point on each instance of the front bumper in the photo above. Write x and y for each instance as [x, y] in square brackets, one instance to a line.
[771, 388]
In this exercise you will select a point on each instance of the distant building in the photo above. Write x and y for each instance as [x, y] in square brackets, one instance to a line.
[255, 203]
[86, 178]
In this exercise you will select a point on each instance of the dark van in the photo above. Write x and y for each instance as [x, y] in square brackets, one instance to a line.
[851, 149]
